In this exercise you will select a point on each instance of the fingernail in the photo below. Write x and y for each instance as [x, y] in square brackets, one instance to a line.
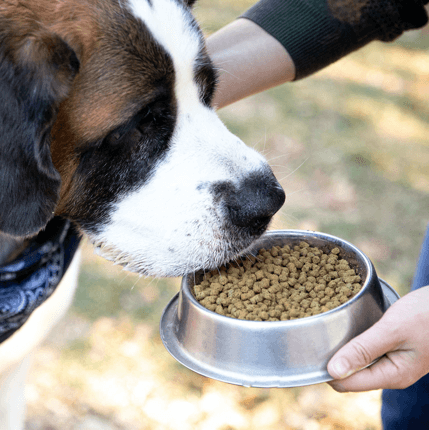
[342, 369]
[337, 386]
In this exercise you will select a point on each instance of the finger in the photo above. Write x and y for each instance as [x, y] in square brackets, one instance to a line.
[361, 351]
[391, 372]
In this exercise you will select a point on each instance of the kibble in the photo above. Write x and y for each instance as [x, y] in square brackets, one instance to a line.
[280, 284]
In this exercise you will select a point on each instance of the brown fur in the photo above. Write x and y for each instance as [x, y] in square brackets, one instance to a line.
[112, 82]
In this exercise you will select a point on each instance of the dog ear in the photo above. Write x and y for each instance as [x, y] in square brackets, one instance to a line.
[36, 73]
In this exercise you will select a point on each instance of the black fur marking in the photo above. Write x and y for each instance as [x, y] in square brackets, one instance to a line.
[203, 186]
[205, 77]
[189, 3]
[29, 97]
[122, 161]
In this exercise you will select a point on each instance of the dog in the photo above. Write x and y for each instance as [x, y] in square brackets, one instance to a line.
[106, 120]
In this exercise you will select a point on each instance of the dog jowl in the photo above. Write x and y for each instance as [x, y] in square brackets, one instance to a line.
[148, 171]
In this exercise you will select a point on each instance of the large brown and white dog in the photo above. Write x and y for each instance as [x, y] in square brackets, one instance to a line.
[106, 119]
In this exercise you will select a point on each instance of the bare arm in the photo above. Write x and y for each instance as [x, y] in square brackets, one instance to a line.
[248, 59]
[255, 52]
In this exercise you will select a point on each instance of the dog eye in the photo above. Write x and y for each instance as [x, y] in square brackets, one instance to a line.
[115, 136]
[151, 120]
[145, 118]
[124, 137]
[132, 132]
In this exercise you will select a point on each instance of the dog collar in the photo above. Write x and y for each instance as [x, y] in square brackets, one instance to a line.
[28, 281]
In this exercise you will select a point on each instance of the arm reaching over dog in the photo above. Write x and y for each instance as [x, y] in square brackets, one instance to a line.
[400, 338]
[278, 41]
[249, 60]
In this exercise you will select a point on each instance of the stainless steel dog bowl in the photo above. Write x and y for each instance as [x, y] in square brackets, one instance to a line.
[273, 354]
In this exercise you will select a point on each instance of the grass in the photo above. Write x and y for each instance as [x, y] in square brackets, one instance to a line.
[351, 148]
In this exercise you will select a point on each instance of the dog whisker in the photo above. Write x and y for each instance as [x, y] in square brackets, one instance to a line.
[254, 146]
[292, 217]
[220, 69]
[269, 160]
[297, 191]
[291, 173]
[126, 275]
[151, 281]
[137, 280]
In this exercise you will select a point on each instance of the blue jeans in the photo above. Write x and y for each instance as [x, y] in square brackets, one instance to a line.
[409, 409]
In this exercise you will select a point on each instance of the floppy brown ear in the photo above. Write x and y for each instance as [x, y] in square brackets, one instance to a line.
[36, 72]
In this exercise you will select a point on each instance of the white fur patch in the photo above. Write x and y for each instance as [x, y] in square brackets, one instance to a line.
[172, 26]
[173, 225]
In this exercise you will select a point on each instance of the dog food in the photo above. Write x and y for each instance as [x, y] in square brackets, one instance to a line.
[282, 283]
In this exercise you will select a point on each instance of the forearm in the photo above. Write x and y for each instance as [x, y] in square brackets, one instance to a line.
[248, 60]
[277, 41]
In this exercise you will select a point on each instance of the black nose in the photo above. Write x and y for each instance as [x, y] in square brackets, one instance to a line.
[254, 202]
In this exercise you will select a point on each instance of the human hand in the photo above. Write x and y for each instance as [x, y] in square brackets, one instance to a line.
[400, 338]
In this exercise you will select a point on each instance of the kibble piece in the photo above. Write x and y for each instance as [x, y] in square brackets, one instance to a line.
[279, 284]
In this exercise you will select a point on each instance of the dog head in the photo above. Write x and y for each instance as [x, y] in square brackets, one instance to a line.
[138, 158]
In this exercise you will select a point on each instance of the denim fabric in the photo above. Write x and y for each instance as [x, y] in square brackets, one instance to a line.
[409, 409]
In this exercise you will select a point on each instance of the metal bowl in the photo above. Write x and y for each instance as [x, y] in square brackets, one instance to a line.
[273, 354]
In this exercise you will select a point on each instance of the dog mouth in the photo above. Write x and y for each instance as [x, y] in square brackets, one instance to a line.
[117, 257]
[178, 261]
[159, 245]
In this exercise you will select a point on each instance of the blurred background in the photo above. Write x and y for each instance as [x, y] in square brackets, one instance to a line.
[350, 146]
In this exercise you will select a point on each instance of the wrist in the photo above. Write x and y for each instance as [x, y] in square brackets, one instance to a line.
[316, 33]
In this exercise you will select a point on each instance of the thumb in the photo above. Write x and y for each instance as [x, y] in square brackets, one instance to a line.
[361, 351]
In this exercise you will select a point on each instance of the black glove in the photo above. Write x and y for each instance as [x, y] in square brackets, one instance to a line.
[316, 33]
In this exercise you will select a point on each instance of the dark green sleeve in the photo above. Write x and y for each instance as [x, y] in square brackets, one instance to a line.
[318, 32]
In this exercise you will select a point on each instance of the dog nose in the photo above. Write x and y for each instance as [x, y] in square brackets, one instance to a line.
[255, 201]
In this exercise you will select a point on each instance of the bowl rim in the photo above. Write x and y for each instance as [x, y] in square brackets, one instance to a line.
[186, 286]
[178, 352]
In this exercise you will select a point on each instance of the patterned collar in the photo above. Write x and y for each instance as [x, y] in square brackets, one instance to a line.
[28, 281]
